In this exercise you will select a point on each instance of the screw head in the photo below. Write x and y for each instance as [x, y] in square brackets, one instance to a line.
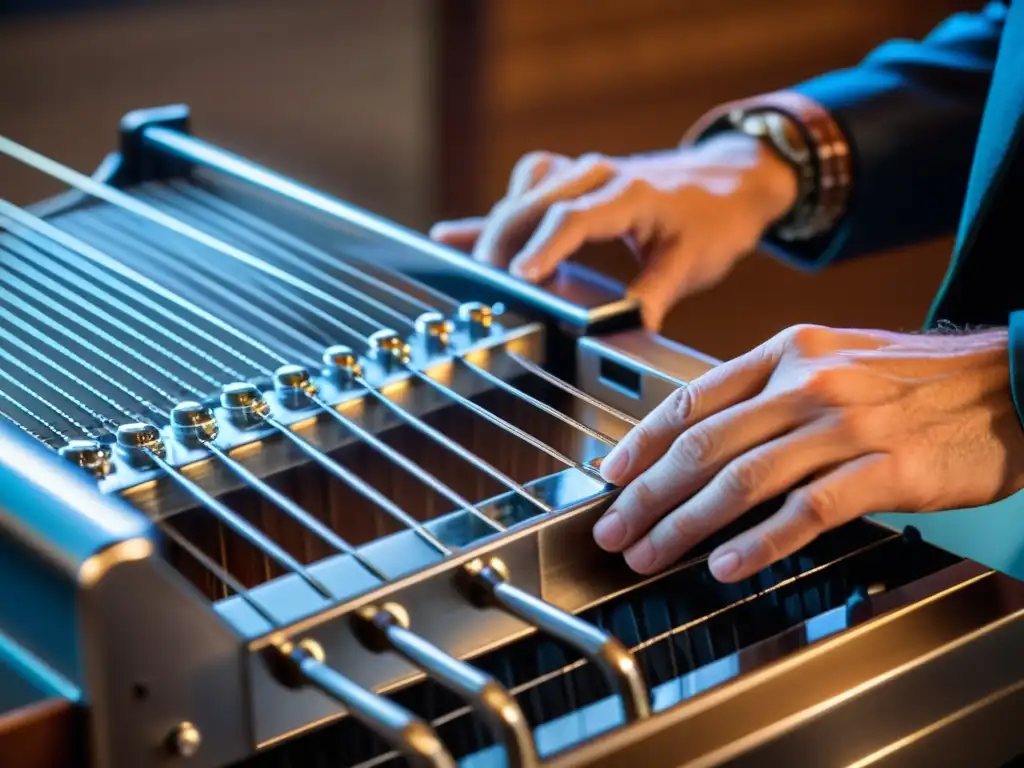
[185, 739]
[435, 329]
[244, 403]
[343, 363]
[294, 386]
[193, 423]
[136, 443]
[91, 455]
[476, 317]
[387, 347]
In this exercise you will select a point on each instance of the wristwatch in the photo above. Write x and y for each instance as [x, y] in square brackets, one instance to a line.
[804, 135]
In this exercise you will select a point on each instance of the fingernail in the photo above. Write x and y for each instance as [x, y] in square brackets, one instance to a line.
[614, 464]
[438, 230]
[641, 556]
[609, 531]
[724, 565]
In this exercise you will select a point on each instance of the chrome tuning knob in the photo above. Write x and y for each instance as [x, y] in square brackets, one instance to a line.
[389, 349]
[91, 455]
[435, 329]
[193, 424]
[294, 386]
[137, 443]
[342, 363]
[475, 317]
[244, 404]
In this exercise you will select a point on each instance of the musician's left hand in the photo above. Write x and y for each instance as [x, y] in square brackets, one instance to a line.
[854, 421]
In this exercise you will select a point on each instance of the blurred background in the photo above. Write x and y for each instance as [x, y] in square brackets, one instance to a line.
[417, 109]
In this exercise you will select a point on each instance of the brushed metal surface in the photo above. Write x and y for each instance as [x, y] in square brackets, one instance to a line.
[578, 298]
[266, 453]
[659, 366]
[926, 651]
[156, 654]
[437, 608]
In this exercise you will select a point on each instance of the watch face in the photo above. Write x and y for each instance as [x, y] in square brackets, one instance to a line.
[754, 125]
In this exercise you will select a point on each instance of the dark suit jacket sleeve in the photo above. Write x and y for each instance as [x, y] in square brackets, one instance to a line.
[911, 111]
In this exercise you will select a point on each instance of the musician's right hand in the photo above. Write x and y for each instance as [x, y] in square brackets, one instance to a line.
[688, 214]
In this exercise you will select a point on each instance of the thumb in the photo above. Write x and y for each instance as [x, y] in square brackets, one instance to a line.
[461, 234]
[667, 276]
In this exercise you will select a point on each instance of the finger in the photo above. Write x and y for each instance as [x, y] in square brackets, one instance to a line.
[857, 488]
[755, 477]
[532, 169]
[602, 215]
[664, 278]
[514, 219]
[461, 234]
[691, 460]
[727, 384]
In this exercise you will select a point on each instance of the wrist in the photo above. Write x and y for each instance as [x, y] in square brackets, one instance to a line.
[804, 134]
[771, 184]
[776, 182]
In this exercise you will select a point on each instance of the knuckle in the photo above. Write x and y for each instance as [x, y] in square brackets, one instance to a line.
[595, 160]
[905, 473]
[532, 161]
[814, 508]
[804, 339]
[822, 385]
[681, 403]
[854, 426]
[638, 496]
[565, 211]
[684, 528]
[503, 210]
[744, 477]
[694, 448]
[594, 164]
[636, 186]
[640, 438]
[767, 549]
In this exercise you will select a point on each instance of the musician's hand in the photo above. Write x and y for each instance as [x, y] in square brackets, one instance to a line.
[855, 421]
[688, 214]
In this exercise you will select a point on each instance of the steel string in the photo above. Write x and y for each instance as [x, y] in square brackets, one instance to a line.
[41, 298]
[126, 202]
[534, 683]
[75, 245]
[252, 223]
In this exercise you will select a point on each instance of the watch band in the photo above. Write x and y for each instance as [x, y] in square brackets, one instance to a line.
[807, 136]
[789, 142]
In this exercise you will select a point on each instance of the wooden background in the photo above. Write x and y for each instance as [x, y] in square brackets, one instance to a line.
[419, 108]
[621, 76]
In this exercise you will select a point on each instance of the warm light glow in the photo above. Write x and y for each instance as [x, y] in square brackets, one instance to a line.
[478, 356]
[442, 372]
[96, 567]
[311, 421]
[246, 449]
[395, 387]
